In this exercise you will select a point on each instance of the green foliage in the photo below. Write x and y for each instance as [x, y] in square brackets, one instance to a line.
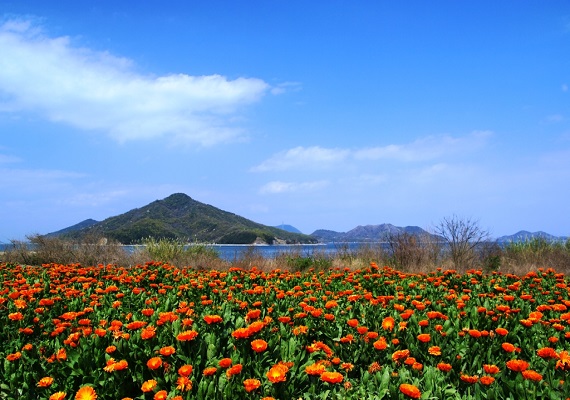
[175, 251]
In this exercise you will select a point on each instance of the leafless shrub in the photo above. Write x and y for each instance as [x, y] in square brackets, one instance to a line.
[462, 236]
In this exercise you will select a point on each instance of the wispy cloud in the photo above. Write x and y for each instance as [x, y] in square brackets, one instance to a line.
[95, 90]
[287, 187]
[315, 157]
[421, 150]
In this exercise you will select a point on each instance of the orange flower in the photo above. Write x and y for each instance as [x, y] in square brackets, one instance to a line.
[434, 351]
[501, 331]
[225, 362]
[352, 323]
[183, 383]
[148, 333]
[424, 337]
[185, 370]
[491, 369]
[86, 393]
[471, 379]
[517, 365]
[509, 348]
[57, 396]
[167, 351]
[474, 333]
[110, 349]
[399, 355]
[259, 345]
[187, 336]
[563, 361]
[212, 319]
[241, 333]
[531, 375]
[161, 395]
[486, 380]
[410, 391]
[315, 369]
[121, 365]
[45, 382]
[234, 370]
[444, 367]
[388, 324]
[277, 373]
[149, 385]
[14, 356]
[547, 353]
[331, 377]
[209, 371]
[251, 384]
[154, 363]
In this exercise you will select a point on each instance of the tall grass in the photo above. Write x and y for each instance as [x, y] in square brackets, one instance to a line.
[404, 252]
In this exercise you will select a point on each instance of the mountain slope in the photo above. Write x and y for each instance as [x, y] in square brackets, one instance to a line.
[179, 216]
[367, 233]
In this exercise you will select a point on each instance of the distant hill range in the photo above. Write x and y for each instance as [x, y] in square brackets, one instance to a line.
[369, 233]
[524, 236]
[179, 216]
[288, 228]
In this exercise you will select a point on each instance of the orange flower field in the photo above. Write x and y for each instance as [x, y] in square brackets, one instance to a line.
[156, 331]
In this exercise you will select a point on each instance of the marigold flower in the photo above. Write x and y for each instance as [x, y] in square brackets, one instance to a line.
[234, 370]
[14, 356]
[58, 396]
[212, 319]
[185, 370]
[315, 369]
[149, 385]
[471, 379]
[148, 333]
[45, 382]
[501, 331]
[184, 384]
[491, 369]
[410, 390]
[209, 371]
[399, 355]
[531, 375]
[474, 333]
[563, 361]
[486, 380]
[86, 393]
[187, 336]
[547, 353]
[121, 365]
[241, 333]
[251, 384]
[517, 365]
[424, 337]
[259, 345]
[277, 373]
[434, 351]
[110, 349]
[444, 367]
[167, 351]
[352, 323]
[374, 367]
[225, 362]
[331, 377]
[388, 324]
[508, 347]
[160, 395]
[154, 363]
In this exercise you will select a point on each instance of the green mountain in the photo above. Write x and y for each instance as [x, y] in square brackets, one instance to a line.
[180, 217]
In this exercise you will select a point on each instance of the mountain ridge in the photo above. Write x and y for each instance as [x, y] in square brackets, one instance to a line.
[178, 216]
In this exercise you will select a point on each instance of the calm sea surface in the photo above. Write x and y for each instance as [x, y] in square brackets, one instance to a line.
[236, 252]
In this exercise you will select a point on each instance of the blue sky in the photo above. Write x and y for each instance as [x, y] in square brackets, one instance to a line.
[318, 114]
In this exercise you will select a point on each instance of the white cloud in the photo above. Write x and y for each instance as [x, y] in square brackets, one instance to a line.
[286, 87]
[425, 149]
[94, 90]
[286, 187]
[303, 157]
